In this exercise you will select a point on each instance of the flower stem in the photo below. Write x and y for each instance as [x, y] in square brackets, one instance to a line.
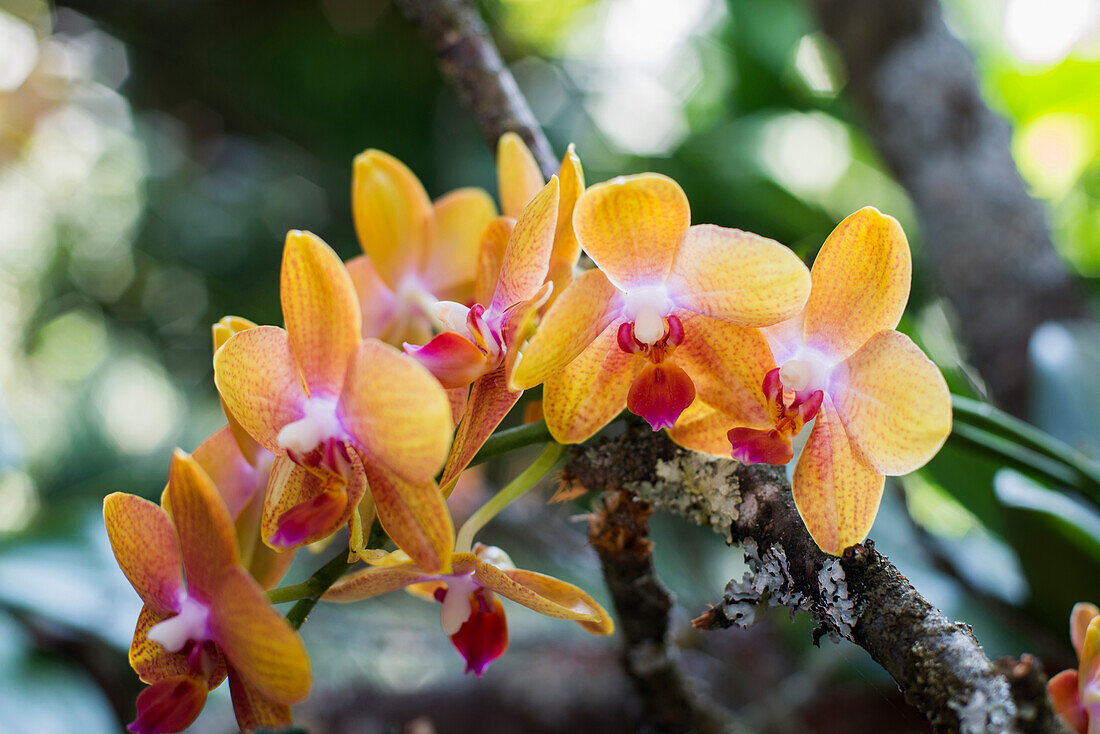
[511, 439]
[511, 491]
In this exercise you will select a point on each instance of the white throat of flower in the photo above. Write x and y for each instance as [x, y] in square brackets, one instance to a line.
[807, 369]
[456, 603]
[647, 308]
[191, 623]
[318, 424]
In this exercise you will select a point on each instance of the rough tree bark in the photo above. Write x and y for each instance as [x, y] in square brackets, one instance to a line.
[986, 240]
[939, 664]
[861, 597]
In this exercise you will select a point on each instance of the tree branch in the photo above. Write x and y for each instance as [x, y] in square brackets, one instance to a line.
[619, 531]
[914, 83]
[862, 597]
[470, 61]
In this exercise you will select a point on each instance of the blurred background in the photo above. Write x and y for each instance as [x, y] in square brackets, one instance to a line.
[154, 154]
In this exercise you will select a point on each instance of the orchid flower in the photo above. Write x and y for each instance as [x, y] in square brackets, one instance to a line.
[204, 616]
[479, 345]
[338, 412]
[648, 329]
[417, 252]
[1076, 693]
[471, 614]
[879, 405]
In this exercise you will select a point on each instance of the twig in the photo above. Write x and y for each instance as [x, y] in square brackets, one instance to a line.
[939, 664]
[470, 61]
[619, 530]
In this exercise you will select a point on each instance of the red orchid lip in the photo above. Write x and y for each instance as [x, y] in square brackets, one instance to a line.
[484, 636]
[660, 393]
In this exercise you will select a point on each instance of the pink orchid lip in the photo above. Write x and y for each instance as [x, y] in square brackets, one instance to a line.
[169, 705]
[303, 520]
[760, 446]
[483, 637]
[660, 393]
[453, 359]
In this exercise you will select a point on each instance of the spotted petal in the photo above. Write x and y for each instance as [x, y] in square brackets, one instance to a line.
[580, 314]
[460, 218]
[586, 394]
[146, 547]
[266, 652]
[543, 594]
[567, 250]
[393, 215]
[489, 401]
[415, 517]
[727, 363]
[253, 710]
[376, 580]
[256, 376]
[153, 663]
[836, 494]
[631, 227]
[321, 310]
[527, 256]
[208, 543]
[398, 414]
[861, 280]
[738, 277]
[494, 241]
[518, 176]
[894, 403]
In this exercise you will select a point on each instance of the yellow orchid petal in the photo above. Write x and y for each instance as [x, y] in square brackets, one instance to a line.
[452, 262]
[836, 494]
[544, 594]
[145, 544]
[727, 364]
[325, 501]
[494, 241]
[894, 403]
[253, 710]
[377, 305]
[736, 276]
[579, 315]
[208, 542]
[415, 516]
[567, 250]
[1083, 613]
[260, 645]
[236, 480]
[374, 581]
[518, 176]
[631, 227]
[153, 663]
[222, 330]
[397, 412]
[1090, 650]
[489, 401]
[703, 428]
[321, 310]
[861, 280]
[527, 256]
[586, 394]
[393, 215]
[259, 381]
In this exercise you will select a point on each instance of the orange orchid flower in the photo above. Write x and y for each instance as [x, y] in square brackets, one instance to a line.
[648, 329]
[880, 406]
[1076, 693]
[338, 412]
[204, 616]
[480, 343]
[471, 614]
[417, 252]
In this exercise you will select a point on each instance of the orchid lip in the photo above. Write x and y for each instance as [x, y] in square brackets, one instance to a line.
[191, 623]
[318, 423]
[456, 602]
